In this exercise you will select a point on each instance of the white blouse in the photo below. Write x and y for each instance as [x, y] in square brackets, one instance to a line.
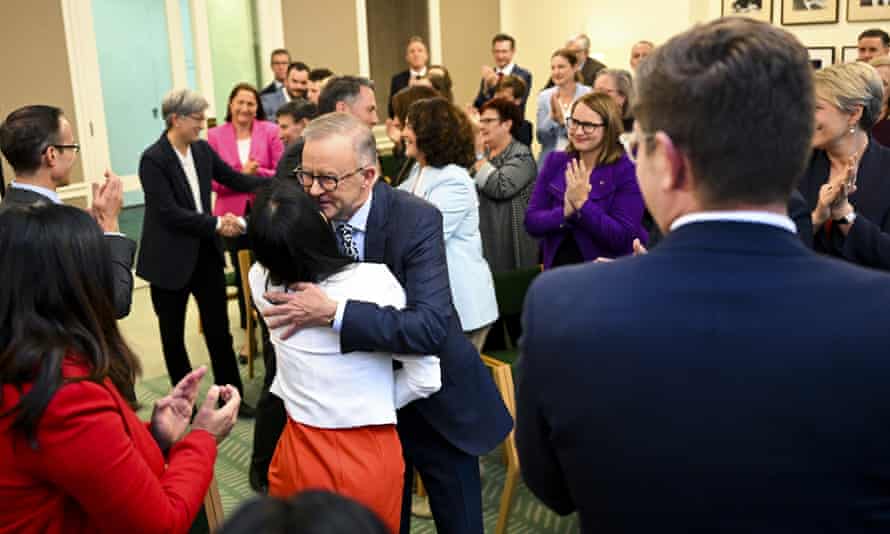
[323, 388]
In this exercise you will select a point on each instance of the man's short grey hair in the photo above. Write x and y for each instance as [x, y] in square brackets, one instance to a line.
[624, 83]
[344, 124]
[182, 102]
[848, 85]
[585, 41]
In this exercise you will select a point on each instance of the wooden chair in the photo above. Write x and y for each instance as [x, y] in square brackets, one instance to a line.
[245, 259]
[503, 379]
[213, 507]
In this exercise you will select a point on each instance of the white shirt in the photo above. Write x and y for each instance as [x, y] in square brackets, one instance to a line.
[417, 73]
[285, 93]
[506, 71]
[323, 388]
[191, 174]
[759, 217]
[244, 150]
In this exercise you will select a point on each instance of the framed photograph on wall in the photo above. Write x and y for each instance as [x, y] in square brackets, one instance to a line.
[809, 12]
[864, 10]
[849, 54]
[755, 9]
[821, 56]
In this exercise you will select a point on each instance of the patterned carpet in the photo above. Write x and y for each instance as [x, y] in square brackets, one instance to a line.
[528, 514]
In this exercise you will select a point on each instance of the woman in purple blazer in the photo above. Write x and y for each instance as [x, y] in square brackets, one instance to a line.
[586, 202]
[250, 145]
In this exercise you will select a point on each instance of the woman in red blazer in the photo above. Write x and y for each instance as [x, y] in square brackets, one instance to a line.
[73, 455]
[250, 145]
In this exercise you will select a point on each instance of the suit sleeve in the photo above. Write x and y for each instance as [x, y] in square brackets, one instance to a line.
[159, 197]
[454, 200]
[527, 77]
[122, 252]
[866, 244]
[539, 463]
[422, 327]
[86, 452]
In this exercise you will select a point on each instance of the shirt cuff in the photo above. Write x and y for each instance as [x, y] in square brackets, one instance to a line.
[338, 315]
[115, 234]
[483, 173]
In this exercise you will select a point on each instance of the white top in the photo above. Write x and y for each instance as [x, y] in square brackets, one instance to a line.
[244, 150]
[760, 217]
[323, 388]
[191, 174]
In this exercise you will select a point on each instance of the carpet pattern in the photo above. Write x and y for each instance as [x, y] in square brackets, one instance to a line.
[528, 515]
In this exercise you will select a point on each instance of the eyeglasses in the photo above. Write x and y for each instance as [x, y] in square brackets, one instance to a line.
[328, 182]
[199, 118]
[586, 127]
[631, 142]
[74, 146]
[488, 120]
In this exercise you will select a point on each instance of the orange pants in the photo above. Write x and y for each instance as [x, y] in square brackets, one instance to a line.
[363, 463]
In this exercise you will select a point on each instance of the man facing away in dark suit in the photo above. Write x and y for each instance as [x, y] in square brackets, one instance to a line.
[442, 436]
[503, 48]
[180, 252]
[416, 55]
[38, 143]
[730, 380]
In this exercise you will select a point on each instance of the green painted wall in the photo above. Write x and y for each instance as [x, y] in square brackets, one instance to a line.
[231, 48]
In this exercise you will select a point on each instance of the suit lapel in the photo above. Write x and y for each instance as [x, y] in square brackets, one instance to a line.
[181, 182]
[376, 235]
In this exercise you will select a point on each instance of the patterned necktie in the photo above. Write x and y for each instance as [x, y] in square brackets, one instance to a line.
[344, 235]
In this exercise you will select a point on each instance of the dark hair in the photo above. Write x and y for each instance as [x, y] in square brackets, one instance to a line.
[506, 110]
[298, 65]
[444, 133]
[341, 89]
[310, 512]
[514, 83]
[876, 32]
[504, 37]
[415, 39]
[402, 100]
[441, 83]
[298, 109]
[279, 52]
[317, 75]
[54, 301]
[290, 236]
[244, 86]
[26, 133]
[736, 97]
[603, 105]
[566, 54]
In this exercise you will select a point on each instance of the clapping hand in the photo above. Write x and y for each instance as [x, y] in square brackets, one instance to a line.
[556, 109]
[834, 193]
[251, 167]
[218, 421]
[230, 226]
[490, 76]
[171, 414]
[107, 202]
[577, 186]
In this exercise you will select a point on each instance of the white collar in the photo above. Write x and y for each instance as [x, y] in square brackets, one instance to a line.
[359, 219]
[747, 216]
[186, 157]
[48, 193]
[506, 71]
[413, 73]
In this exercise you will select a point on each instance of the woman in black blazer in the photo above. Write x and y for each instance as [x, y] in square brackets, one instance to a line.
[847, 184]
[180, 253]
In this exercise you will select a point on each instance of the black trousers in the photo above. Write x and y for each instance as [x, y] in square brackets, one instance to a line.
[233, 245]
[208, 285]
[270, 416]
[450, 476]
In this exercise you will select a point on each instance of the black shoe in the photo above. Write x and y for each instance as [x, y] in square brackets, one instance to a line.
[258, 482]
[246, 411]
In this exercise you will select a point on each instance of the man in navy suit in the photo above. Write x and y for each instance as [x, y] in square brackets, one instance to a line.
[730, 380]
[503, 48]
[442, 436]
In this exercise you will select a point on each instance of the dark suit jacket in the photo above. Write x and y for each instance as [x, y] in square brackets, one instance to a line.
[399, 82]
[121, 249]
[868, 242]
[484, 95]
[173, 229]
[271, 88]
[405, 233]
[290, 160]
[728, 381]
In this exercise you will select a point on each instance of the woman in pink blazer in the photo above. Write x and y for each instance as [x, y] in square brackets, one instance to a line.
[249, 144]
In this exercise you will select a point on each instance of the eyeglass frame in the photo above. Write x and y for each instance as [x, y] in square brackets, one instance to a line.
[298, 173]
[631, 142]
[586, 127]
[72, 146]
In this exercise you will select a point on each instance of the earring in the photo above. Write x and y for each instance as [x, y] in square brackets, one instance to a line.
[852, 130]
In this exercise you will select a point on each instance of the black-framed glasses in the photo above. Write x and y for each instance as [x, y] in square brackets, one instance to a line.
[73, 146]
[328, 182]
[586, 127]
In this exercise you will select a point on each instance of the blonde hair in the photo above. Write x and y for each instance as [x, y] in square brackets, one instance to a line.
[849, 85]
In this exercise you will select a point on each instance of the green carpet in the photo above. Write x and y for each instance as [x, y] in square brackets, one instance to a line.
[527, 516]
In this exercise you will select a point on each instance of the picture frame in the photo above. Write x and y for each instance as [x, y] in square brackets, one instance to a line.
[867, 10]
[821, 56]
[849, 54]
[755, 9]
[798, 12]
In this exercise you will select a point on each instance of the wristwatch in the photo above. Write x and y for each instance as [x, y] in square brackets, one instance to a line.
[846, 219]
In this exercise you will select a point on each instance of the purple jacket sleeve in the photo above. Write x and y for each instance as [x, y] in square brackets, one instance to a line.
[543, 215]
[620, 225]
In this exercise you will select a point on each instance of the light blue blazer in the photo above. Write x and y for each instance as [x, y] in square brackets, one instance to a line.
[451, 189]
[549, 132]
[271, 103]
